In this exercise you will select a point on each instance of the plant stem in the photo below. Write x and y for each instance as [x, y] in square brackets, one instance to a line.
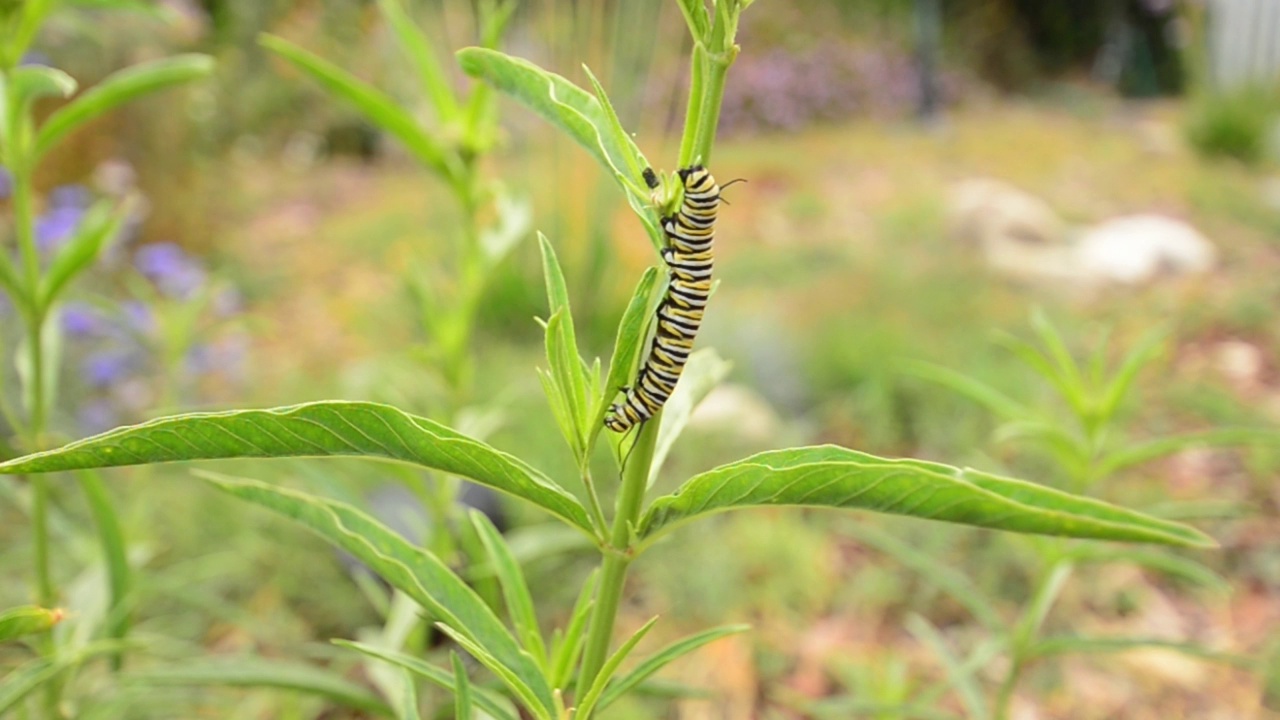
[618, 555]
[717, 71]
[693, 112]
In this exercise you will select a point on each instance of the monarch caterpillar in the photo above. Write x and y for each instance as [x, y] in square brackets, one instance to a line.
[690, 233]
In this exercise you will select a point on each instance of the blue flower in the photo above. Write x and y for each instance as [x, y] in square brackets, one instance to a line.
[70, 196]
[176, 273]
[56, 226]
[138, 316]
[104, 368]
[81, 321]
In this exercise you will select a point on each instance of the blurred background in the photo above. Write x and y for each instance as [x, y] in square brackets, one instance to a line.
[923, 175]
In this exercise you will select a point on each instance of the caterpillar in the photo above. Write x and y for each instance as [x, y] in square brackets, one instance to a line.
[690, 233]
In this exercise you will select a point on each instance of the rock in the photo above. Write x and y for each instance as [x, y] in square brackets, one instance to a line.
[1018, 233]
[1138, 248]
[736, 408]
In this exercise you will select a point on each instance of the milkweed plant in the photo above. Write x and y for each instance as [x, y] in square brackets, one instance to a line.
[580, 669]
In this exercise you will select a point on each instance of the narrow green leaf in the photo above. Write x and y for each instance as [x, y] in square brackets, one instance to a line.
[667, 655]
[1163, 447]
[977, 391]
[946, 577]
[562, 350]
[1046, 594]
[510, 677]
[1067, 385]
[33, 82]
[375, 105]
[488, 701]
[100, 226]
[830, 476]
[695, 15]
[30, 676]
[627, 347]
[620, 136]
[251, 671]
[408, 706]
[461, 689]
[575, 112]
[114, 555]
[514, 588]
[411, 569]
[704, 371]
[1052, 340]
[1050, 647]
[1162, 562]
[119, 88]
[27, 620]
[333, 428]
[1148, 349]
[958, 677]
[588, 703]
[564, 656]
[422, 56]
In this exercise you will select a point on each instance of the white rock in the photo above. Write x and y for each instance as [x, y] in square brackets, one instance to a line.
[738, 409]
[1018, 233]
[1138, 248]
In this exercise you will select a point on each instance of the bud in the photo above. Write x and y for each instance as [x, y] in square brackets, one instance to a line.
[27, 619]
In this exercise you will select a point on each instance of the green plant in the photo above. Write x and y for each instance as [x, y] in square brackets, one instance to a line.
[1087, 444]
[1237, 124]
[36, 283]
[577, 671]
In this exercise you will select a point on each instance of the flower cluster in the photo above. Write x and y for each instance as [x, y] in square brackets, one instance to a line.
[783, 89]
[135, 354]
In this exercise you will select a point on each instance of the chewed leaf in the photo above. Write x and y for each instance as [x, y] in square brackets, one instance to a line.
[320, 429]
[830, 476]
[573, 110]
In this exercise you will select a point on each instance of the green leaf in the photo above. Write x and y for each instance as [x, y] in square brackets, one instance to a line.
[588, 702]
[30, 676]
[487, 700]
[1047, 591]
[414, 571]
[946, 577]
[704, 371]
[415, 44]
[1148, 349]
[514, 682]
[1163, 447]
[958, 676]
[33, 82]
[627, 347]
[1067, 383]
[620, 137]
[1084, 645]
[646, 669]
[332, 428]
[461, 689]
[567, 367]
[977, 391]
[564, 654]
[119, 88]
[27, 620]
[100, 226]
[515, 590]
[575, 112]
[695, 16]
[830, 476]
[375, 105]
[114, 555]
[1162, 562]
[258, 672]
[408, 706]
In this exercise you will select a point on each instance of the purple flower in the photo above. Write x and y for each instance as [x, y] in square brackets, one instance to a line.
[35, 57]
[104, 368]
[138, 316]
[6, 183]
[55, 226]
[176, 273]
[70, 196]
[81, 321]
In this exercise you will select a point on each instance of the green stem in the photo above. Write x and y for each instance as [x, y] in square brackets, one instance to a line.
[1027, 630]
[618, 555]
[111, 538]
[717, 72]
[693, 113]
